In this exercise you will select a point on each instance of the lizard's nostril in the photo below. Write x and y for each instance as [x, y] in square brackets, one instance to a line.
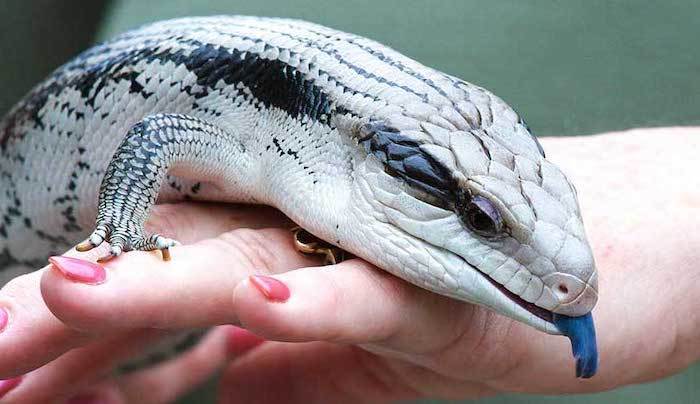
[565, 287]
[575, 296]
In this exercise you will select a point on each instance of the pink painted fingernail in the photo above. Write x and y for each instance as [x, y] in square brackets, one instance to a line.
[272, 288]
[86, 399]
[79, 270]
[241, 340]
[4, 317]
[9, 384]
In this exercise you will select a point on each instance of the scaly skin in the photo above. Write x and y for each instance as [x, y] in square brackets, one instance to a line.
[363, 147]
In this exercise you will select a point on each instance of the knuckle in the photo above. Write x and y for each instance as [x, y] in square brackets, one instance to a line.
[253, 247]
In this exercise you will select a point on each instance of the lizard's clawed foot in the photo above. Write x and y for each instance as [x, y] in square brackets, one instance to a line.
[307, 243]
[125, 240]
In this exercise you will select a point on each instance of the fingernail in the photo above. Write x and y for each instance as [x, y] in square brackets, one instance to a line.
[9, 384]
[4, 317]
[272, 288]
[79, 270]
[241, 340]
[86, 399]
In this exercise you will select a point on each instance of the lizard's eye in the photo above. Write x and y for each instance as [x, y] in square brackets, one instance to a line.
[482, 217]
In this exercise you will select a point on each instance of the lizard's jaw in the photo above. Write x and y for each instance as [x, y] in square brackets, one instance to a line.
[476, 287]
[540, 312]
[486, 291]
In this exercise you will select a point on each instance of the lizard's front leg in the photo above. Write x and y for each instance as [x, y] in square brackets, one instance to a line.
[153, 147]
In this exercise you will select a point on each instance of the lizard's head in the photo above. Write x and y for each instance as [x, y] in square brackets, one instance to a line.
[479, 214]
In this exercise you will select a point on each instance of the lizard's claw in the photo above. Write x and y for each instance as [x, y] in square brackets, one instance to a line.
[84, 246]
[101, 232]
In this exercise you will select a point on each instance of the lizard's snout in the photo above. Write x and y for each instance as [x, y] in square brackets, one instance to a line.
[573, 284]
[575, 296]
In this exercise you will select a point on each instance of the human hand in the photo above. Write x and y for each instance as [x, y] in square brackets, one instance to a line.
[374, 337]
[109, 323]
[385, 340]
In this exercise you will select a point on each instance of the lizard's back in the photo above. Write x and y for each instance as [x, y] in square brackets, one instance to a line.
[56, 143]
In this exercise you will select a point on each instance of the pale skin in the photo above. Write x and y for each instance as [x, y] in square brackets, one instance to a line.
[367, 334]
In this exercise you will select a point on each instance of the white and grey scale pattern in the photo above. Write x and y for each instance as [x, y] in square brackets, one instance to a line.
[362, 146]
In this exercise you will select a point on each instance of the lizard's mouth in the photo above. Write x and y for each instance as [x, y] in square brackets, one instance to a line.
[580, 330]
[538, 311]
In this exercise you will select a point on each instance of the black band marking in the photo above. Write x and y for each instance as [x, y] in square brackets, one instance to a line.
[403, 156]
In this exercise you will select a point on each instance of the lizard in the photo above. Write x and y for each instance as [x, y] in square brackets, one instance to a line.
[429, 177]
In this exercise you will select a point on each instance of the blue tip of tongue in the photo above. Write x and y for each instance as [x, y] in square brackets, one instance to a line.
[581, 332]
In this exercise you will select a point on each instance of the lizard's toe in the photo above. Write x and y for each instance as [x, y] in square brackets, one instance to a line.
[117, 245]
[164, 242]
[113, 253]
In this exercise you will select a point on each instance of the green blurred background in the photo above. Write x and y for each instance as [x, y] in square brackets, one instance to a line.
[570, 67]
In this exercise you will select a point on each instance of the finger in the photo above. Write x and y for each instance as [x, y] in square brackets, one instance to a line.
[192, 290]
[292, 373]
[353, 302]
[171, 379]
[33, 336]
[311, 373]
[356, 303]
[79, 368]
[104, 392]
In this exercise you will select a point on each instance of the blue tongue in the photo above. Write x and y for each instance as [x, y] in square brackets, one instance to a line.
[581, 332]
